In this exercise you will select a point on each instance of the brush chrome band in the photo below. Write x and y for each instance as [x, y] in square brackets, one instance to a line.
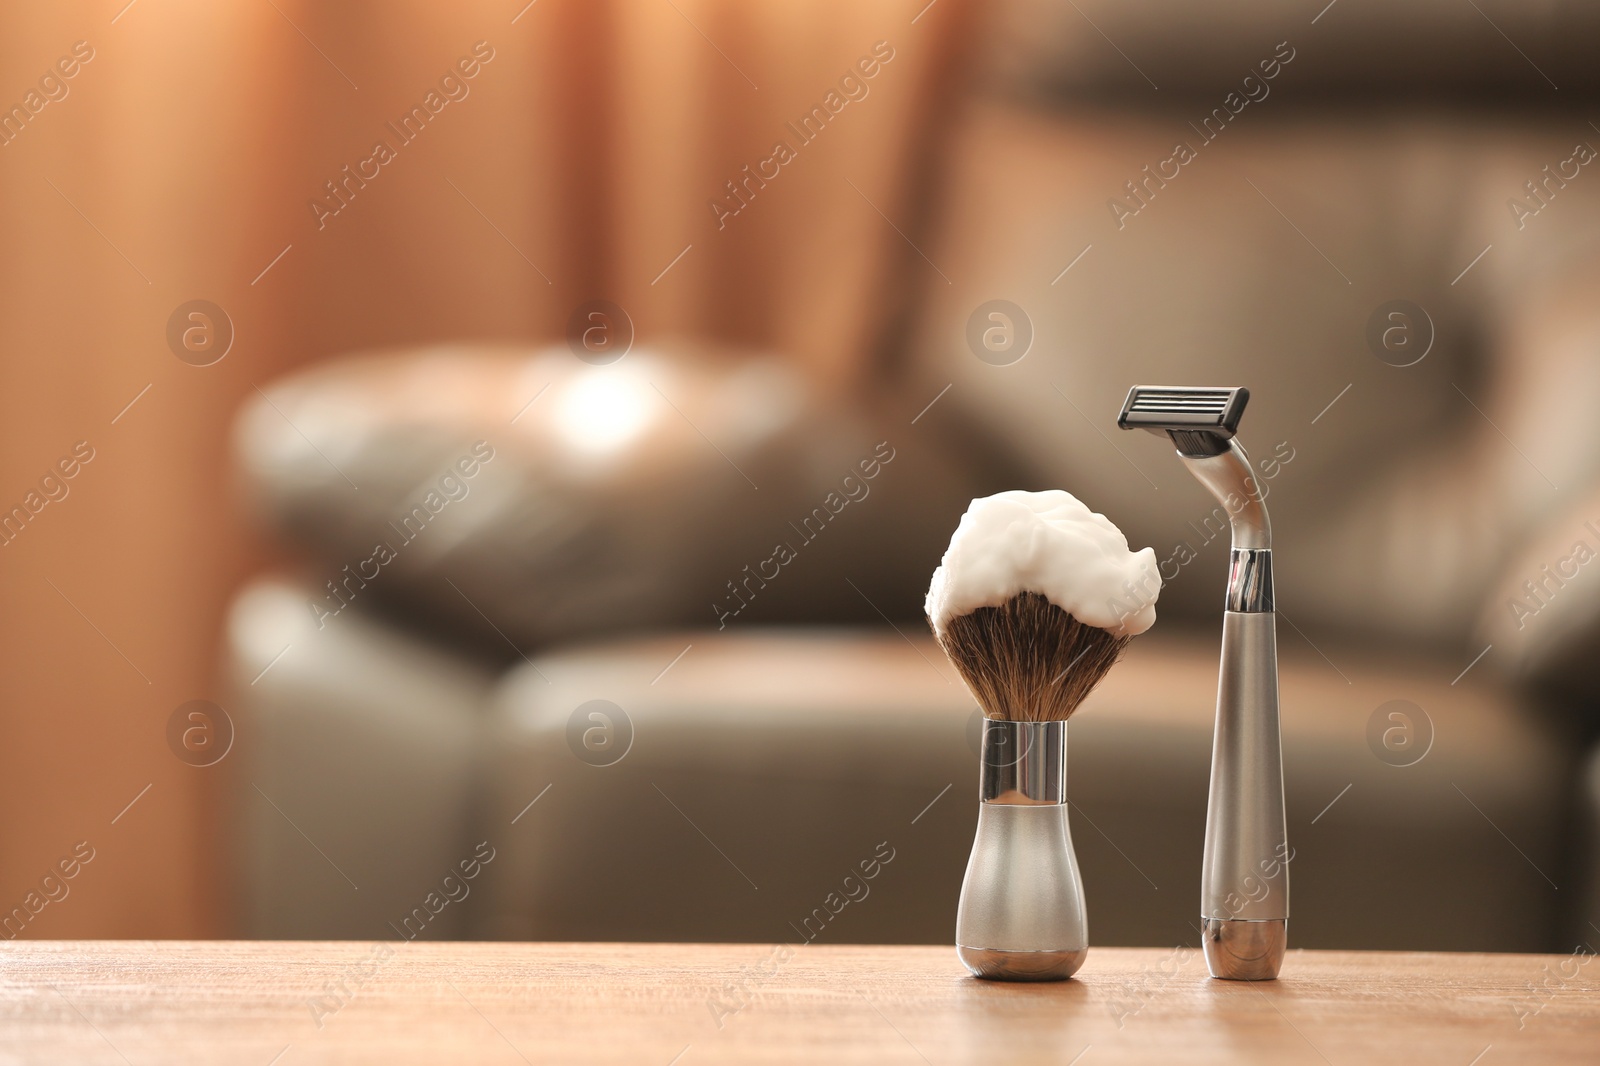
[1250, 580]
[1024, 763]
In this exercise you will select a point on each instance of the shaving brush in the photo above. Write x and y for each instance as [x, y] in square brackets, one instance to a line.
[1029, 664]
[999, 609]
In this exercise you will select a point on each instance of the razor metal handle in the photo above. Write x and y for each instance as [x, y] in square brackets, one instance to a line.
[1021, 915]
[1244, 903]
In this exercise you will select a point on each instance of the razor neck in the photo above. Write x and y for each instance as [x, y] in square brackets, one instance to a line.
[1229, 477]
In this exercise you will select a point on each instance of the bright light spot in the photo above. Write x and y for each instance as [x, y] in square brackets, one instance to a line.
[603, 410]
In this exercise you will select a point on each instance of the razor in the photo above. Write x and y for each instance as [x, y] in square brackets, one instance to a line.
[1244, 891]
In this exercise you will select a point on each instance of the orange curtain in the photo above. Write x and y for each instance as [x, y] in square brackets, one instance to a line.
[180, 161]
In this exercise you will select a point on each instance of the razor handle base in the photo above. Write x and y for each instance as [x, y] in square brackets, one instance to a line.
[1243, 950]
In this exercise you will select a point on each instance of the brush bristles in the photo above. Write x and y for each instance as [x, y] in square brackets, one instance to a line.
[1028, 660]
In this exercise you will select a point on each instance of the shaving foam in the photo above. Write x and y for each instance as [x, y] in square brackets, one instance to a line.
[1051, 544]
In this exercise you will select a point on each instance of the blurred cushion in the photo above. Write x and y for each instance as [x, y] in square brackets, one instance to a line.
[354, 769]
[1542, 617]
[525, 496]
[712, 786]
[1542, 613]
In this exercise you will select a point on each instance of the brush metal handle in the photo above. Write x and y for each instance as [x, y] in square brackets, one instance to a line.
[1021, 915]
[1244, 895]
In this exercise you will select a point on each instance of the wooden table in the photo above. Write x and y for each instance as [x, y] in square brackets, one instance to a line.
[284, 1003]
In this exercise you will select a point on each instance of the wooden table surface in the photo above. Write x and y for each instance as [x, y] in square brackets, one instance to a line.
[284, 1003]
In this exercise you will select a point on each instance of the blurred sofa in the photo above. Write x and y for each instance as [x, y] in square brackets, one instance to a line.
[593, 654]
[713, 778]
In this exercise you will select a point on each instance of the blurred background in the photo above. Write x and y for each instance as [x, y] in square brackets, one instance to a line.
[472, 470]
